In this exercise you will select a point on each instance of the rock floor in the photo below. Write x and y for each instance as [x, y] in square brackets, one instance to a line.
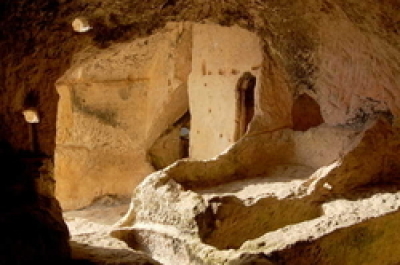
[90, 240]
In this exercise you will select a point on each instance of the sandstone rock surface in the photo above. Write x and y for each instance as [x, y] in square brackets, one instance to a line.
[90, 239]
[221, 56]
[317, 167]
[113, 106]
[328, 69]
[228, 211]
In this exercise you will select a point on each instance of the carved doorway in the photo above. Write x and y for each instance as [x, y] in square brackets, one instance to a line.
[245, 103]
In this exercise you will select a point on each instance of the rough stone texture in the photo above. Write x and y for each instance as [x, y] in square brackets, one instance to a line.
[221, 55]
[170, 146]
[90, 238]
[306, 113]
[364, 243]
[292, 183]
[37, 43]
[113, 106]
[221, 212]
[343, 54]
[368, 78]
[31, 34]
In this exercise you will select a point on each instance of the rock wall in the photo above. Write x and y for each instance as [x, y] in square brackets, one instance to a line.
[34, 230]
[113, 106]
[341, 55]
[232, 211]
[366, 78]
[317, 163]
[31, 61]
[221, 56]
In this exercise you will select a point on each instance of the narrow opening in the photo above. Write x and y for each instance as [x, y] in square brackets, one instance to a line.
[245, 103]
[306, 113]
[172, 145]
[184, 137]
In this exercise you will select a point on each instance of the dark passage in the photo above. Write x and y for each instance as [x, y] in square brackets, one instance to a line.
[245, 103]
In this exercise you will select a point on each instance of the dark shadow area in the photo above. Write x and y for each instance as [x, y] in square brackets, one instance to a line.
[85, 254]
[172, 145]
[33, 229]
[228, 222]
[306, 113]
[245, 103]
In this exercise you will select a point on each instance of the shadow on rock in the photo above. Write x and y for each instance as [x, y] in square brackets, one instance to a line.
[83, 254]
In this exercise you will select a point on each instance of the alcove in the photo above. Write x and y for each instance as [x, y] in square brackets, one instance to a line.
[306, 113]
[172, 145]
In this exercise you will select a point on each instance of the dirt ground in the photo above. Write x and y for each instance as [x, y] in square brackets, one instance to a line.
[90, 240]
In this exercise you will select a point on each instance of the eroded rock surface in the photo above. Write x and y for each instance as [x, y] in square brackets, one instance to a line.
[334, 61]
[222, 57]
[281, 68]
[112, 109]
[318, 162]
[217, 213]
[90, 239]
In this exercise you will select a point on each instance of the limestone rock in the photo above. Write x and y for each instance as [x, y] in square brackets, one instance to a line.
[112, 109]
[327, 68]
[221, 56]
[369, 242]
[318, 157]
[219, 212]
[172, 145]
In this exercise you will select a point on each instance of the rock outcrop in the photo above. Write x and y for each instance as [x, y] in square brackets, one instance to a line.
[113, 106]
[317, 165]
[232, 211]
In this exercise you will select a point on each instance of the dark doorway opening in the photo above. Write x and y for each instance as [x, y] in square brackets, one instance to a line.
[245, 103]
[172, 145]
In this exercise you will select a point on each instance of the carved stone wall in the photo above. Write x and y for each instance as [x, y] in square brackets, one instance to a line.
[112, 108]
[221, 55]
